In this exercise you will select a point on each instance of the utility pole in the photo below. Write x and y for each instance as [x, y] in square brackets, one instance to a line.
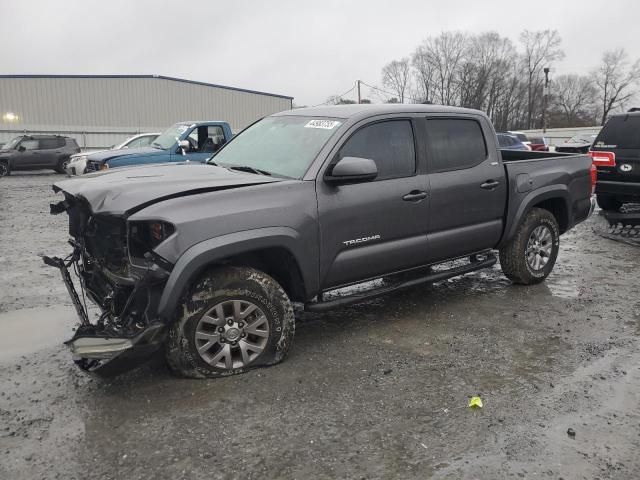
[358, 82]
[545, 99]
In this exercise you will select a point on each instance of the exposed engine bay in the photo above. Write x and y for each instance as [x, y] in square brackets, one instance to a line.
[116, 269]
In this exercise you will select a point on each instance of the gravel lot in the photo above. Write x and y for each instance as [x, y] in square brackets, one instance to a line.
[378, 390]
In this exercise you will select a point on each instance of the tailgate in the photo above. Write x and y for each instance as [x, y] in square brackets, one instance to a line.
[627, 168]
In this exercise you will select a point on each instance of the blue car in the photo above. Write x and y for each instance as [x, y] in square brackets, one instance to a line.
[510, 142]
[193, 141]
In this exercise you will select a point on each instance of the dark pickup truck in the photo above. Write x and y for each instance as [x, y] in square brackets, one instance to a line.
[208, 260]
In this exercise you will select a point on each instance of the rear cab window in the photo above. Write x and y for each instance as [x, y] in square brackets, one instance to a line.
[455, 144]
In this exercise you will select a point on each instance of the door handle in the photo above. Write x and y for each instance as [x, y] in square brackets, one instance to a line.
[415, 196]
[489, 184]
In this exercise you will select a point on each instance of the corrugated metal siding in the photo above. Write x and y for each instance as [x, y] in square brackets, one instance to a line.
[123, 106]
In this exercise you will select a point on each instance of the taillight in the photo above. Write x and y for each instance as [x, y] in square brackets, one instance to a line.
[603, 159]
[594, 178]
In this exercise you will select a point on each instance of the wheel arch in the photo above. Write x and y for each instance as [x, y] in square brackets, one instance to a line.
[276, 251]
[556, 199]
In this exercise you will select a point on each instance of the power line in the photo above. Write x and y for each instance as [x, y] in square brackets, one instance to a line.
[336, 96]
[389, 93]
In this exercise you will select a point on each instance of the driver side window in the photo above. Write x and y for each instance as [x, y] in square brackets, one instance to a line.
[206, 139]
[388, 143]
[29, 144]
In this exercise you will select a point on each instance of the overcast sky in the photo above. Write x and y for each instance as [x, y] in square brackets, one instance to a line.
[308, 50]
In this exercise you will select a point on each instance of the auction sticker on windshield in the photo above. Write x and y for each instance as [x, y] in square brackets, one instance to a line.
[325, 124]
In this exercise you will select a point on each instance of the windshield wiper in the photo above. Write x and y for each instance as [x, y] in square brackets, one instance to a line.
[247, 168]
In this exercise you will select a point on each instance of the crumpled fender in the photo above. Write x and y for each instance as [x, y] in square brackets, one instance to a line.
[197, 258]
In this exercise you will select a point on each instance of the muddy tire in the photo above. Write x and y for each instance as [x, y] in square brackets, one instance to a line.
[608, 204]
[5, 170]
[531, 254]
[231, 320]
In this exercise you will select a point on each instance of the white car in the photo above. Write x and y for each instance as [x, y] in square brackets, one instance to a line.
[78, 162]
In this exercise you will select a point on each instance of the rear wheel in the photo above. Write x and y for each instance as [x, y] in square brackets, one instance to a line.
[609, 204]
[232, 320]
[531, 254]
[62, 165]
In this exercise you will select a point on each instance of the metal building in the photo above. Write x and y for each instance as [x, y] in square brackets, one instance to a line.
[101, 110]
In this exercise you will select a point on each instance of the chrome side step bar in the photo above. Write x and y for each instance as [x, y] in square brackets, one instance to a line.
[475, 264]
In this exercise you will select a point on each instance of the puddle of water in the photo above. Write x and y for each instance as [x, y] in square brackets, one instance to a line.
[31, 329]
[563, 287]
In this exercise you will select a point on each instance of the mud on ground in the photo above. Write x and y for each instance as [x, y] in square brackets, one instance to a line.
[378, 390]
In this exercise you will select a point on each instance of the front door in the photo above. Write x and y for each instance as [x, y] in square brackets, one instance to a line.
[468, 187]
[27, 155]
[378, 227]
[205, 140]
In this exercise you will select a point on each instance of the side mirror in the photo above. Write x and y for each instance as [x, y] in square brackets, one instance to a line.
[184, 145]
[21, 148]
[352, 170]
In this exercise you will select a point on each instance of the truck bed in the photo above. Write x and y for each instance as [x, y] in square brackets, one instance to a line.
[544, 172]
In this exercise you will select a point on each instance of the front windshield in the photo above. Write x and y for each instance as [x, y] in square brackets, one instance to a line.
[12, 144]
[170, 136]
[283, 146]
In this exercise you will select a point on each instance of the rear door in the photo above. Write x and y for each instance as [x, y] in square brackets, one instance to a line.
[468, 190]
[49, 150]
[372, 228]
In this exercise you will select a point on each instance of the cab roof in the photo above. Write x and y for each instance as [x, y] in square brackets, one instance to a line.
[366, 110]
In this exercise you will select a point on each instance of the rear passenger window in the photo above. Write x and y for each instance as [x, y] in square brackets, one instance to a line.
[48, 143]
[455, 144]
[389, 144]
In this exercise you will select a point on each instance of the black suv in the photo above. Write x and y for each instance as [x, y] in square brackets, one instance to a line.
[34, 152]
[616, 155]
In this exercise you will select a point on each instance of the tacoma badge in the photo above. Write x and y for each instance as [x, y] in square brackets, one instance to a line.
[361, 240]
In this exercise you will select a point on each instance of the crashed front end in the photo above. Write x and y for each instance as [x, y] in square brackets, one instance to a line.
[116, 268]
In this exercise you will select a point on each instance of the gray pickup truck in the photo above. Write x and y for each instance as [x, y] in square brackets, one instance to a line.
[208, 260]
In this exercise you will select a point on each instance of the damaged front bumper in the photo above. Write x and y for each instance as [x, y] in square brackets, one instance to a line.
[110, 356]
[101, 348]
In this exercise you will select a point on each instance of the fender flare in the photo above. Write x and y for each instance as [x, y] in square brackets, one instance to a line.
[193, 261]
[533, 198]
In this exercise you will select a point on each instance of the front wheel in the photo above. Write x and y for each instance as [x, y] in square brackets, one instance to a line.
[608, 204]
[530, 255]
[233, 319]
[5, 170]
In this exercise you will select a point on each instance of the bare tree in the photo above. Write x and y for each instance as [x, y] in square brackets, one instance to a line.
[423, 72]
[616, 80]
[396, 76]
[446, 53]
[541, 48]
[574, 96]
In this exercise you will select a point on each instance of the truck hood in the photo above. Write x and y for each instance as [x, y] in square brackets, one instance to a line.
[124, 191]
[124, 152]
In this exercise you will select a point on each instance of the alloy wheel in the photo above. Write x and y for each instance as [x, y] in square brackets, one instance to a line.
[232, 334]
[539, 247]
